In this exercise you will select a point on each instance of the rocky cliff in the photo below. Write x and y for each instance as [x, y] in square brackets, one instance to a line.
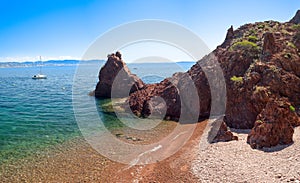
[261, 66]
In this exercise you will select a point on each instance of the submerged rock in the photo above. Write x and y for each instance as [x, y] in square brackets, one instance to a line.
[116, 80]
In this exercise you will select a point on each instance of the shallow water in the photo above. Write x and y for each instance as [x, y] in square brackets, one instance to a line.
[35, 114]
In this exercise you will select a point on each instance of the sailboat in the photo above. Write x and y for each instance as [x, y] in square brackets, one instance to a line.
[40, 75]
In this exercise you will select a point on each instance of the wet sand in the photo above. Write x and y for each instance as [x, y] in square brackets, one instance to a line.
[77, 161]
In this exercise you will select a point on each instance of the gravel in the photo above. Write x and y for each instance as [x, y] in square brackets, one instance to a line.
[236, 161]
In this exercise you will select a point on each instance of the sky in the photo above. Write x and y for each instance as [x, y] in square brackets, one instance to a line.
[64, 29]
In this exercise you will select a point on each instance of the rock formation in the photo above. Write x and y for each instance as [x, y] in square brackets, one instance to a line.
[229, 37]
[230, 34]
[274, 125]
[261, 66]
[269, 46]
[223, 134]
[260, 62]
[116, 80]
[296, 18]
[168, 90]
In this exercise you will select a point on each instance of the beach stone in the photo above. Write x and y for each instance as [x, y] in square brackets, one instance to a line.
[223, 133]
[278, 176]
[115, 73]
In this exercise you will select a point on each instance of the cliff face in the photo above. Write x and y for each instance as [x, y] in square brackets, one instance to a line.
[261, 66]
[261, 63]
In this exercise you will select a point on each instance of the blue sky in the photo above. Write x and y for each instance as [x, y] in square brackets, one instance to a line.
[60, 29]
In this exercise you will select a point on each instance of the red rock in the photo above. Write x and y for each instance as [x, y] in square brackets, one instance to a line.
[230, 34]
[115, 74]
[269, 45]
[168, 90]
[296, 18]
[273, 72]
[274, 125]
[223, 134]
[264, 76]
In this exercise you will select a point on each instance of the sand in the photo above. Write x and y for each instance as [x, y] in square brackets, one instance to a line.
[77, 161]
[235, 161]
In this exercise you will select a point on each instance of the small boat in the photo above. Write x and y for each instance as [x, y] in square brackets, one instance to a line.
[40, 75]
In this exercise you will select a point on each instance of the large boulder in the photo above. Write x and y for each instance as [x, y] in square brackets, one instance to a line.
[116, 80]
[178, 96]
[223, 133]
[274, 125]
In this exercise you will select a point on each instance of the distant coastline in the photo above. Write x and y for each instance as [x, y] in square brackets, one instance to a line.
[47, 63]
[64, 63]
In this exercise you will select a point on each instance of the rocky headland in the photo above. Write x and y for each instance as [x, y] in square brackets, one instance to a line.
[261, 66]
[115, 73]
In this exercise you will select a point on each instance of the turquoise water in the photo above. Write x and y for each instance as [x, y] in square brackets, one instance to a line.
[36, 114]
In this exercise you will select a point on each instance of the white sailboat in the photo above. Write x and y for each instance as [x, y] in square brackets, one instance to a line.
[40, 75]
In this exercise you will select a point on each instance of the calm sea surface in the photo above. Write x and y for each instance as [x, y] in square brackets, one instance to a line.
[36, 114]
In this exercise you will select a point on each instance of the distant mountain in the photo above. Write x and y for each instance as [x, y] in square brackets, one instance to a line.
[48, 63]
[59, 63]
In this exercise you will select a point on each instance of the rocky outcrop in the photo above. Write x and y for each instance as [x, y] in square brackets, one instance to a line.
[229, 37]
[274, 125]
[296, 18]
[261, 66]
[269, 46]
[116, 80]
[177, 95]
[260, 62]
[230, 34]
[223, 134]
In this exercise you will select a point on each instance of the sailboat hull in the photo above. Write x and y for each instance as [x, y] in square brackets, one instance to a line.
[39, 76]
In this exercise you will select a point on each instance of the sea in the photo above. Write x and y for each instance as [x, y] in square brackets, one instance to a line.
[38, 114]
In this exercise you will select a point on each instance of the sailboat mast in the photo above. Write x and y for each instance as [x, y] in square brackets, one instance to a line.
[40, 65]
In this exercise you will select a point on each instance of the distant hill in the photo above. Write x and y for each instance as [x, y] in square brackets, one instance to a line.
[48, 63]
[59, 63]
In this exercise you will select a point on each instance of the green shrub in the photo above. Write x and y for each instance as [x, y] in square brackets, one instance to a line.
[252, 39]
[259, 88]
[292, 108]
[296, 27]
[252, 31]
[290, 44]
[236, 79]
[261, 26]
[245, 45]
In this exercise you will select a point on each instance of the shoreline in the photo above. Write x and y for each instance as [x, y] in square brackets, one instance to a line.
[76, 160]
[234, 161]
